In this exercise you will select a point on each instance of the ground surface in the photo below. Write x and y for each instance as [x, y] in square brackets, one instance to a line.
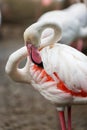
[22, 108]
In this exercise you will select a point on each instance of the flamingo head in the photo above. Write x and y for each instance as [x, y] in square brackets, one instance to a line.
[32, 38]
[32, 41]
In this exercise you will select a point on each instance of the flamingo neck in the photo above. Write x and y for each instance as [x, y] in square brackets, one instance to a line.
[34, 32]
[41, 26]
[12, 66]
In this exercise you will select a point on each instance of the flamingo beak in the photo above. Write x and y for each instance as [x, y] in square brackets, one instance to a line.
[33, 53]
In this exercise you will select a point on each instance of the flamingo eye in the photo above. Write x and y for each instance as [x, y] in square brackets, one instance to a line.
[28, 42]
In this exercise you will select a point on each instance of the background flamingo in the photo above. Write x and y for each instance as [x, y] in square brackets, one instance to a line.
[57, 71]
[70, 20]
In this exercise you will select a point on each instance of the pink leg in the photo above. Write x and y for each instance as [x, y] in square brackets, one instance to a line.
[78, 44]
[62, 120]
[69, 117]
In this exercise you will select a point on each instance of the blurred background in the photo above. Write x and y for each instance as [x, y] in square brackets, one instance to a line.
[21, 107]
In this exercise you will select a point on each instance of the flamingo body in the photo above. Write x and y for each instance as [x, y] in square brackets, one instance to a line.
[69, 76]
[63, 87]
[65, 75]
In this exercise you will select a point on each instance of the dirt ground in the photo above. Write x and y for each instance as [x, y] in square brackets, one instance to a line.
[23, 108]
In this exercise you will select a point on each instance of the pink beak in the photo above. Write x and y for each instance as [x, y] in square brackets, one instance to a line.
[34, 53]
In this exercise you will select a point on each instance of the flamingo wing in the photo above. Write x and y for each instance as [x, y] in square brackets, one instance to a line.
[64, 74]
[69, 65]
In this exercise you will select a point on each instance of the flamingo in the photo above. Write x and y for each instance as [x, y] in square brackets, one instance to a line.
[70, 20]
[56, 70]
[46, 2]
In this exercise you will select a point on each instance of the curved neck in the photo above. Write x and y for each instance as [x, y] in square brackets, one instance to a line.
[41, 26]
[12, 69]
[37, 29]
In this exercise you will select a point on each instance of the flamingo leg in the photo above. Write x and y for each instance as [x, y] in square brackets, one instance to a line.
[69, 117]
[62, 120]
[78, 44]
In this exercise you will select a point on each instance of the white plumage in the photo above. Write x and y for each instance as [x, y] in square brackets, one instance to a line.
[68, 63]
[70, 66]
[72, 21]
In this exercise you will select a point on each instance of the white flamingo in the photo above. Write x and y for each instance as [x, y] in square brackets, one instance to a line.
[57, 71]
[72, 20]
